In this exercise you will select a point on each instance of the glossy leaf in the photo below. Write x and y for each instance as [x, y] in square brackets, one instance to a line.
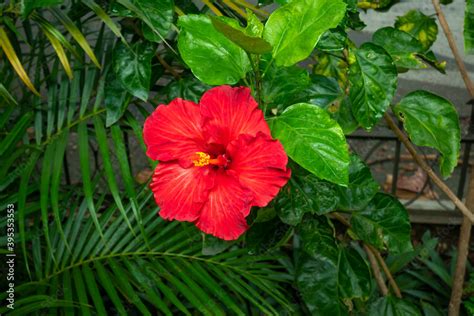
[331, 66]
[284, 86]
[469, 27]
[373, 78]
[392, 306]
[328, 274]
[236, 34]
[314, 140]
[332, 40]
[295, 28]
[159, 14]
[433, 121]
[132, 67]
[263, 237]
[420, 26]
[254, 26]
[402, 47]
[212, 57]
[361, 188]
[324, 90]
[116, 99]
[187, 88]
[384, 223]
[305, 193]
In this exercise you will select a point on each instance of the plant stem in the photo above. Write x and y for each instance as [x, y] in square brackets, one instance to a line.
[167, 67]
[373, 255]
[466, 226]
[404, 139]
[452, 44]
[375, 268]
[387, 272]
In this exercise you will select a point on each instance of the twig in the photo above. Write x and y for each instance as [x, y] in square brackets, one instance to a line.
[167, 67]
[452, 44]
[421, 162]
[387, 272]
[372, 254]
[465, 232]
[375, 268]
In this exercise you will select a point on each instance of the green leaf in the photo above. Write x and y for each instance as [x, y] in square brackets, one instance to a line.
[212, 57]
[329, 65]
[263, 237]
[295, 28]
[373, 78]
[26, 6]
[361, 188]
[420, 26]
[392, 306]
[305, 193]
[212, 246]
[384, 223]
[326, 273]
[324, 90]
[160, 16]
[374, 4]
[402, 47]
[132, 67]
[314, 141]
[116, 99]
[254, 26]
[285, 86]
[469, 27]
[433, 121]
[332, 40]
[187, 88]
[236, 34]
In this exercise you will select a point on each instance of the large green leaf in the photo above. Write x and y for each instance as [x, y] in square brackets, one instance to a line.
[392, 306]
[159, 14]
[251, 44]
[384, 222]
[132, 67]
[469, 27]
[295, 28]
[305, 193]
[212, 57]
[284, 86]
[433, 121]
[314, 140]
[116, 99]
[401, 46]
[328, 274]
[419, 25]
[361, 188]
[326, 93]
[373, 78]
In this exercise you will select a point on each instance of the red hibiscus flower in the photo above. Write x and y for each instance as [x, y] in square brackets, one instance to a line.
[217, 160]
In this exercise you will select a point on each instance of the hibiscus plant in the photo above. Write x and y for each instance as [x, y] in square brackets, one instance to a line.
[191, 157]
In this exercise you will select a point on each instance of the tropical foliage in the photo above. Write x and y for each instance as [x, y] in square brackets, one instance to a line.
[79, 77]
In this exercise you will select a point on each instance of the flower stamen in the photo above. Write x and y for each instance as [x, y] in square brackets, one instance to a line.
[202, 159]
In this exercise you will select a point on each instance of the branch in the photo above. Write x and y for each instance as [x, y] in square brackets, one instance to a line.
[373, 254]
[452, 44]
[426, 168]
[375, 268]
[167, 67]
[387, 272]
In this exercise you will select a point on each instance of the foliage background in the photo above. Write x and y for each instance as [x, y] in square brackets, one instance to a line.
[81, 77]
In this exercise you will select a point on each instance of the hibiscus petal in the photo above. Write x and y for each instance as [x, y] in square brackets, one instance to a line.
[228, 112]
[181, 192]
[223, 215]
[174, 132]
[260, 165]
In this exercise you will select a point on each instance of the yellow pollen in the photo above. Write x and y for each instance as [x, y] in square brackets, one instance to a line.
[201, 159]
